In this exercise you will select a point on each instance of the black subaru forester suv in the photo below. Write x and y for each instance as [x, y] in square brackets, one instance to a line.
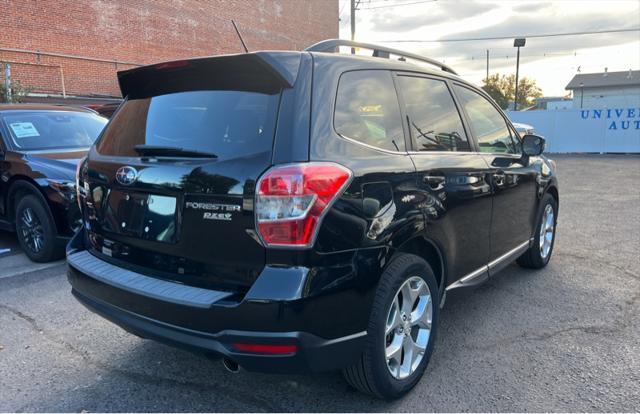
[305, 211]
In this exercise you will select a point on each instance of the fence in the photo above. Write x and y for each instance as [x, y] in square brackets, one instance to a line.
[586, 130]
[62, 74]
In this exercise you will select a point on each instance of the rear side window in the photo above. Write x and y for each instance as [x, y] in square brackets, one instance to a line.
[225, 123]
[367, 109]
[488, 126]
[433, 117]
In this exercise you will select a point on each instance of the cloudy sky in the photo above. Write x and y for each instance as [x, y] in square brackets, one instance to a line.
[551, 61]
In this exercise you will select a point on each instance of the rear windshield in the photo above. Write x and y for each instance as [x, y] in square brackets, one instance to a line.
[225, 123]
[42, 130]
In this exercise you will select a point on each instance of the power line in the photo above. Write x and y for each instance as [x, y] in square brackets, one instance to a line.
[469, 39]
[370, 2]
[345, 2]
[506, 58]
[374, 2]
[396, 5]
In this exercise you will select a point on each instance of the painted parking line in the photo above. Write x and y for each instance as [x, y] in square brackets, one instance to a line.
[19, 264]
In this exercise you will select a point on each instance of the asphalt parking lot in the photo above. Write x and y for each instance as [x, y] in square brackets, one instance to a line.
[563, 339]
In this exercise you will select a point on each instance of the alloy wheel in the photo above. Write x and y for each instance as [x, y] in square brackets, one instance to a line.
[408, 327]
[31, 230]
[547, 228]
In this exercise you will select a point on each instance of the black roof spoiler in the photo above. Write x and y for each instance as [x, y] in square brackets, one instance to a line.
[331, 45]
[266, 72]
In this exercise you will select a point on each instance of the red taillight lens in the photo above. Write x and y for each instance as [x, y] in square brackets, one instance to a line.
[266, 348]
[291, 200]
[172, 65]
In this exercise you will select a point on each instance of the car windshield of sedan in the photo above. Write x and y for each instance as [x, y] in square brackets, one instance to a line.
[42, 130]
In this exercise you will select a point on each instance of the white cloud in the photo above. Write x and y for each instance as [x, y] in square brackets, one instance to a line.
[552, 61]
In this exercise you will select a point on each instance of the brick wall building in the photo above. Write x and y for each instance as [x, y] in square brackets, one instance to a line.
[79, 45]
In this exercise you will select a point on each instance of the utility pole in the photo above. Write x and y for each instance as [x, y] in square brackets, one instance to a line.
[517, 43]
[515, 98]
[353, 24]
[487, 77]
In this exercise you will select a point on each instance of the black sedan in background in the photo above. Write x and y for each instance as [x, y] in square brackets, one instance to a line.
[106, 110]
[40, 147]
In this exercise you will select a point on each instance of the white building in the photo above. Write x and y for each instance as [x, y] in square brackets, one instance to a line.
[606, 90]
[553, 103]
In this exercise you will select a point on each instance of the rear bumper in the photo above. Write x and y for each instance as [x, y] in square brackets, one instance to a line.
[302, 323]
[314, 354]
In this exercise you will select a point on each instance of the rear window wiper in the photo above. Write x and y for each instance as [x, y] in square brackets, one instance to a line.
[152, 150]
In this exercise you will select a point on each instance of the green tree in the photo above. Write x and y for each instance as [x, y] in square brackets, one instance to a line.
[502, 89]
[497, 95]
[18, 92]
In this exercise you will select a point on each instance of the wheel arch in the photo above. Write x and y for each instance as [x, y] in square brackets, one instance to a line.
[429, 251]
[20, 184]
[553, 190]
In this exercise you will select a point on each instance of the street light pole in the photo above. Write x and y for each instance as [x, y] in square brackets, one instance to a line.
[353, 24]
[487, 78]
[517, 43]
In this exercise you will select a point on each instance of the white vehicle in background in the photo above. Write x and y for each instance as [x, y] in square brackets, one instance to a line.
[523, 129]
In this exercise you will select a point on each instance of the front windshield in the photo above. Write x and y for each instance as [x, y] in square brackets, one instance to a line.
[42, 130]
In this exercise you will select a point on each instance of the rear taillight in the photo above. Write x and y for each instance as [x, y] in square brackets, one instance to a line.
[292, 199]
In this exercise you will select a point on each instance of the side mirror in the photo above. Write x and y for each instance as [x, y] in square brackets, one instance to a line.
[533, 145]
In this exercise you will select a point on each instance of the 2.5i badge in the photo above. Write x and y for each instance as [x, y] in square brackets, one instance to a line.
[209, 215]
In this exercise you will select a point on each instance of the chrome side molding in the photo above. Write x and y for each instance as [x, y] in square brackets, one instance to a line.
[474, 278]
[483, 273]
[503, 261]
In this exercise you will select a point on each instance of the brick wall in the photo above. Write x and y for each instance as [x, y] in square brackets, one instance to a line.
[128, 32]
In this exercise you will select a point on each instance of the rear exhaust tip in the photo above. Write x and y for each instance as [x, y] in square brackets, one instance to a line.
[230, 365]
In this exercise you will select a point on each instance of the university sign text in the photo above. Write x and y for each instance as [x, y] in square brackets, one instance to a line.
[621, 118]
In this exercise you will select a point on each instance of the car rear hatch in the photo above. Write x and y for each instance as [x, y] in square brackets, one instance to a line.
[169, 187]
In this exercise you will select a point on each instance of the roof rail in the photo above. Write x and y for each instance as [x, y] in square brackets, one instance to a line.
[330, 45]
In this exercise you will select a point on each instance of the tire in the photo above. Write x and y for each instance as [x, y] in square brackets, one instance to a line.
[33, 220]
[535, 257]
[372, 373]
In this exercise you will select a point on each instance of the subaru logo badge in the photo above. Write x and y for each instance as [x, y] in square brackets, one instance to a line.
[126, 175]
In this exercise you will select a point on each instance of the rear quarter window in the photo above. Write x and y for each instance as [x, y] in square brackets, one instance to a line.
[367, 109]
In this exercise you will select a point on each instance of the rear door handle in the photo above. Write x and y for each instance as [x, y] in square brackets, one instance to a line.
[435, 182]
